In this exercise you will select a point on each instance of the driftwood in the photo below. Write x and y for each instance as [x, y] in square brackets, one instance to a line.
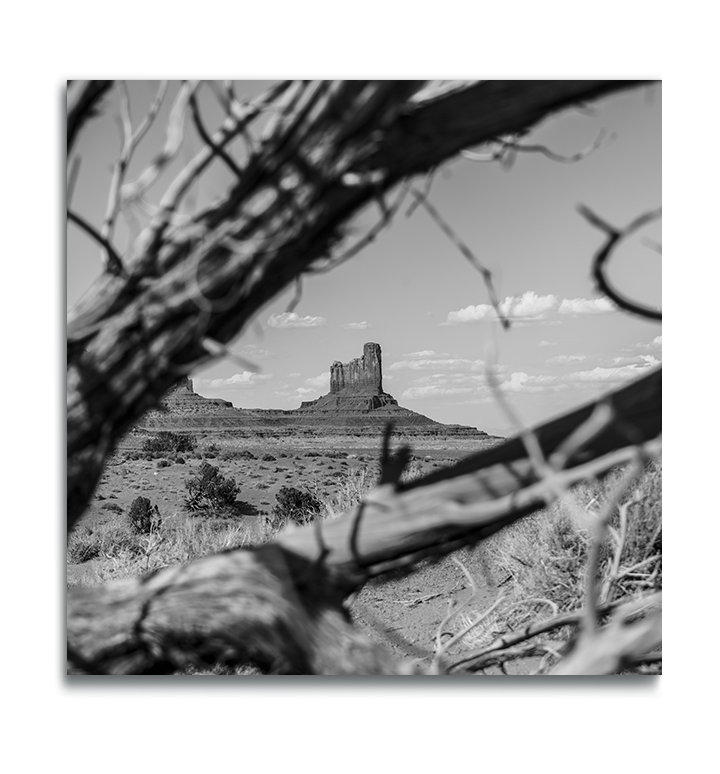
[188, 288]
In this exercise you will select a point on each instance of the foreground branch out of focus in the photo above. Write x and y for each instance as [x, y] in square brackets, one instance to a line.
[187, 289]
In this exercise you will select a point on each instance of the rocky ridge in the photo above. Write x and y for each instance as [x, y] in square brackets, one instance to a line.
[356, 404]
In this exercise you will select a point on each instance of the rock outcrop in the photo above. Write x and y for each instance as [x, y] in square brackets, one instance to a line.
[354, 386]
[362, 376]
[356, 405]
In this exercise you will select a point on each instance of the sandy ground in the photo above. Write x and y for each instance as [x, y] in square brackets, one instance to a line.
[404, 614]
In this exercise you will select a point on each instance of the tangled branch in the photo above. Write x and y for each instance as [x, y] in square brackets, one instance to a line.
[614, 236]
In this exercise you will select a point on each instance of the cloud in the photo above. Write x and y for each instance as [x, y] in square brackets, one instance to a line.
[321, 382]
[586, 306]
[241, 380]
[437, 385]
[655, 343]
[254, 352]
[293, 320]
[617, 374]
[562, 359]
[530, 307]
[358, 326]
[548, 344]
[426, 353]
[438, 364]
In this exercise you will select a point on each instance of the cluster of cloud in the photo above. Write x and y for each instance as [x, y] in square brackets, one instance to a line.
[293, 320]
[429, 360]
[242, 380]
[619, 370]
[530, 307]
[563, 359]
[254, 352]
[357, 326]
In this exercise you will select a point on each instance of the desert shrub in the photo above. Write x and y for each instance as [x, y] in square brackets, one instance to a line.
[111, 507]
[164, 463]
[541, 561]
[144, 517]
[295, 505]
[165, 441]
[180, 460]
[210, 492]
[268, 458]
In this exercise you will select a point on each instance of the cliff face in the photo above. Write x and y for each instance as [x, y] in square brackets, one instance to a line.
[362, 376]
[355, 386]
[355, 404]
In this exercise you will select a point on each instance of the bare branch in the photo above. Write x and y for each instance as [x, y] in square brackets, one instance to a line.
[510, 145]
[466, 252]
[613, 237]
[113, 263]
[85, 106]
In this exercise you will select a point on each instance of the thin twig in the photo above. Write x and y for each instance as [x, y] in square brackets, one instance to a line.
[613, 237]
[466, 252]
[114, 264]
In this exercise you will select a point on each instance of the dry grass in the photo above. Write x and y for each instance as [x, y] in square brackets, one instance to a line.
[540, 563]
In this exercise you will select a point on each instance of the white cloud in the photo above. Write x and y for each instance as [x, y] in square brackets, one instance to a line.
[586, 306]
[656, 342]
[244, 379]
[548, 344]
[358, 326]
[528, 306]
[531, 307]
[321, 382]
[426, 353]
[254, 352]
[437, 385]
[617, 374]
[561, 359]
[438, 364]
[293, 320]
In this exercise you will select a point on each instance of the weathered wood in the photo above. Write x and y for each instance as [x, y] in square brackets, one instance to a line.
[132, 338]
[335, 147]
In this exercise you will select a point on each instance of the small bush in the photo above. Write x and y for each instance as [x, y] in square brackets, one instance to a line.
[164, 463]
[268, 458]
[210, 492]
[111, 507]
[166, 441]
[295, 505]
[180, 460]
[144, 517]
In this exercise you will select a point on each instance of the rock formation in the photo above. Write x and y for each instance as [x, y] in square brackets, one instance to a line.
[356, 405]
[362, 376]
[354, 386]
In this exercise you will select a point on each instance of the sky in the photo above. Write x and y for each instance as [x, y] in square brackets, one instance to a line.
[414, 293]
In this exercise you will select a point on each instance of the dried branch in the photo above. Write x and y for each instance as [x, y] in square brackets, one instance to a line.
[465, 251]
[507, 146]
[620, 643]
[130, 338]
[130, 142]
[113, 264]
[173, 142]
[613, 237]
[85, 106]
[494, 652]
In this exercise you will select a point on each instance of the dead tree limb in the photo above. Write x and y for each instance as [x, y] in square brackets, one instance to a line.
[330, 149]
[132, 338]
[84, 106]
[280, 606]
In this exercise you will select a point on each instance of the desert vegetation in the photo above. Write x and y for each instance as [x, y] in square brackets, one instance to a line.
[576, 586]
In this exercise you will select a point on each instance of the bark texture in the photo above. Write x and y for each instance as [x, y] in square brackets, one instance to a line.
[189, 288]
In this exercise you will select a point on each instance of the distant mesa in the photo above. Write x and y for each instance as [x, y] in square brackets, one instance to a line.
[354, 386]
[356, 404]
